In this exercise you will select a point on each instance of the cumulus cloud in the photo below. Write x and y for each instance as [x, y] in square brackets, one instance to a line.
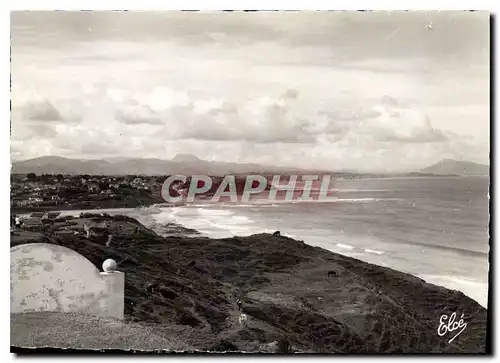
[393, 122]
[345, 133]
[262, 120]
[43, 131]
[138, 115]
[29, 105]
[282, 118]
[40, 110]
[27, 131]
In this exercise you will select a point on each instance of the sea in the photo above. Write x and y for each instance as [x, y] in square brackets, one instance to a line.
[436, 228]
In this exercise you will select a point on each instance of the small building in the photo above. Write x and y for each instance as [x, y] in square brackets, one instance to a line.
[93, 187]
[33, 223]
[53, 215]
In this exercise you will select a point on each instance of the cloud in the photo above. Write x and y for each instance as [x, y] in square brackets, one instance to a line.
[40, 110]
[138, 115]
[29, 105]
[283, 118]
[27, 131]
[397, 123]
[381, 33]
[280, 128]
[43, 131]
[111, 139]
[261, 120]
[276, 87]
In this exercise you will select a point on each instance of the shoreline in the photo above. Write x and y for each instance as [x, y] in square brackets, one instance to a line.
[450, 281]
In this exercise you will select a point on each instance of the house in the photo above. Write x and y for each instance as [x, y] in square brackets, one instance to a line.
[53, 215]
[34, 201]
[93, 187]
[33, 223]
[137, 183]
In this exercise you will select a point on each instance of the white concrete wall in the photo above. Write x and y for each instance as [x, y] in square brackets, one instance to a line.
[114, 304]
[47, 277]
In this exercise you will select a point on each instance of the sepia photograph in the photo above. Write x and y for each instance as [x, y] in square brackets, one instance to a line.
[250, 182]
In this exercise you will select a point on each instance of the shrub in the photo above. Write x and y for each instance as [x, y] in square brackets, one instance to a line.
[283, 346]
[224, 346]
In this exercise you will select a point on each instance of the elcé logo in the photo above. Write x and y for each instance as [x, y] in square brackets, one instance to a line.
[448, 325]
[181, 188]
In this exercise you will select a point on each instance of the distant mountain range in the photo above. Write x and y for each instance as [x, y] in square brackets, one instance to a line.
[188, 164]
[449, 166]
[182, 164]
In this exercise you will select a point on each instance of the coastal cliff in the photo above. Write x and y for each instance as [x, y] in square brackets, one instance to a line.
[297, 297]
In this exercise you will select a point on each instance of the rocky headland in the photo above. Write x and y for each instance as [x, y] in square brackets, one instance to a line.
[298, 298]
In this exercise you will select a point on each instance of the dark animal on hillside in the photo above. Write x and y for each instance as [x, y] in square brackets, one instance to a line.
[200, 270]
[332, 273]
[277, 233]
[239, 303]
[151, 288]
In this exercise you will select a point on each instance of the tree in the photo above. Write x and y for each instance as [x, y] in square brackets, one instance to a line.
[161, 179]
[60, 177]
[31, 176]
[103, 185]
[283, 346]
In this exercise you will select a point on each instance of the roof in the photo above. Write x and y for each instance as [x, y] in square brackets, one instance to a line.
[33, 221]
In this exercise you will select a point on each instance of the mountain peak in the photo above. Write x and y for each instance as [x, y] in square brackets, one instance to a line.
[186, 158]
[450, 166]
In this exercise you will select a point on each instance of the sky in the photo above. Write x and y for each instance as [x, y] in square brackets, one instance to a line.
[371, 91]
